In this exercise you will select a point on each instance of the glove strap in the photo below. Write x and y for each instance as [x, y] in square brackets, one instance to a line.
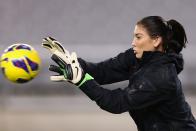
[86, 78]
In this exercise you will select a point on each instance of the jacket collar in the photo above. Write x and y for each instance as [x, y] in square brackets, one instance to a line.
[149, 56]
[152, 56]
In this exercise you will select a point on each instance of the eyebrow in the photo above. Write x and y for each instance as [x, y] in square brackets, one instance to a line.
[138, 34]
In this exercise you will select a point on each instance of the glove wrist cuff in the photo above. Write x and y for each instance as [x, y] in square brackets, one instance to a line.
[87, 77]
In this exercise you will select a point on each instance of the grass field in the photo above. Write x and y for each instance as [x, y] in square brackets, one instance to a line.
[63, 114]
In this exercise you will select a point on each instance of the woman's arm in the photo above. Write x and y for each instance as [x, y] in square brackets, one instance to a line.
[112, 70]
[143, 93]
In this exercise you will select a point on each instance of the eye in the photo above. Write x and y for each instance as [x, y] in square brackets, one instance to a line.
[138, 37]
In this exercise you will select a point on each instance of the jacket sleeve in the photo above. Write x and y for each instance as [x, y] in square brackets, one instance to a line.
[141, 94]
[111, 70]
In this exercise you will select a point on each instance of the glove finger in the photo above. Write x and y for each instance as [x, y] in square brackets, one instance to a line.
[58, 78]
[51, 38]
[56, 69]
[66, 68]
[58, 60]
[62, 56]
[51, 44]
[56, 44]
[59, 46]
[64, 72]
[46, 44]
[69, 72]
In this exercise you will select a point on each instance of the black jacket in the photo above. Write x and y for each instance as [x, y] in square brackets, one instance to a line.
[154, 96]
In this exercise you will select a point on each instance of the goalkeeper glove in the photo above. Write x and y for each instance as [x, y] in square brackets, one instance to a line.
[68, 66]
[56, 48]
[71, 71]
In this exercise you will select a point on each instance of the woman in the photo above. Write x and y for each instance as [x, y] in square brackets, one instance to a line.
[154, 96]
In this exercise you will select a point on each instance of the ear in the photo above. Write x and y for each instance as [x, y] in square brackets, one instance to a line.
[157, 41]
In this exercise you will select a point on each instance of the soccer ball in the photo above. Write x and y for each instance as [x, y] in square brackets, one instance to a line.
[20, 63]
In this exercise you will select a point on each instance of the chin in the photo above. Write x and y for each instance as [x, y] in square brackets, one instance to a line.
[138, 56]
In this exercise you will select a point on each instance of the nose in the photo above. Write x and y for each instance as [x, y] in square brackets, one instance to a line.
[133, 43]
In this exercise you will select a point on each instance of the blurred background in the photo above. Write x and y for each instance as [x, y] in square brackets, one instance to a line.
[96, 30]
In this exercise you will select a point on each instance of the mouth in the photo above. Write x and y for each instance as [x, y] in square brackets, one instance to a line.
[134, 51]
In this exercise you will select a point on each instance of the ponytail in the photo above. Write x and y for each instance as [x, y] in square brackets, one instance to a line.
[176, 37]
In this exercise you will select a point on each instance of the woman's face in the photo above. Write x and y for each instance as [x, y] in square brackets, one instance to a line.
[142, 41]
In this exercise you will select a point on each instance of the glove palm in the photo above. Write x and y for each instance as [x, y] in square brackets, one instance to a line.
[71, 72]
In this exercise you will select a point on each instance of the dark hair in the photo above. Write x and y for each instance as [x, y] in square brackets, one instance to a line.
[172, 32]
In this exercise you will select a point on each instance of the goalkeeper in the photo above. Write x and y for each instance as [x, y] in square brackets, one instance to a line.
[154, 96]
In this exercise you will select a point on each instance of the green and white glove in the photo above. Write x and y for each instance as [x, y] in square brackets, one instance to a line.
[68, 67]
[71, 71]
[55, 47]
